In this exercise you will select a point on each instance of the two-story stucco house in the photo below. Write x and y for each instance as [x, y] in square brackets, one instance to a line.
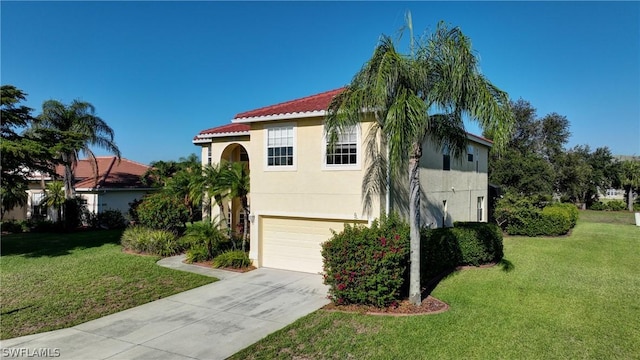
[301, 189]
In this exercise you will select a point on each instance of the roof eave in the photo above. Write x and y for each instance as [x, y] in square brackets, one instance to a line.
[479, 140]
[274, 117]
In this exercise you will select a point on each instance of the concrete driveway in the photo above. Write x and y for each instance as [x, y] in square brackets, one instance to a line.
[210, 322]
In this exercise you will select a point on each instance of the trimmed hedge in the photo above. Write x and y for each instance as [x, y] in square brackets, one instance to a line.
[467, 243]
[613, 205]
[109, 219]
[367, 265]
[519, 216]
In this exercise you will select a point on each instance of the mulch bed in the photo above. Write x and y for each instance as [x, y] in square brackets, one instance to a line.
[430, 305]
[208, 264]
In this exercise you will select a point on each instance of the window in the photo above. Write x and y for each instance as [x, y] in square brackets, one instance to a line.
[280, 146]
[470, 152]
[344, 151]
[446, 158]
[209, 154]
[480, 208]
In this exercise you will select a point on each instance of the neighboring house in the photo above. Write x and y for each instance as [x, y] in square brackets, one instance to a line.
[618, 194]
[301, 189]
[118, 183]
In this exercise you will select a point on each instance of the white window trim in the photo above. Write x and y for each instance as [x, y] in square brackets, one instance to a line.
[293, 167]
[342, 167]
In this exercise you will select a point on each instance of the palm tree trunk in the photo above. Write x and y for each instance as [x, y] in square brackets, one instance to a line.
[245, 207]
[68, 182]
[415, 293]
[630, 198]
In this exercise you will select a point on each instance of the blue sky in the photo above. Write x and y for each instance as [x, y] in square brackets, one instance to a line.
[159, 72]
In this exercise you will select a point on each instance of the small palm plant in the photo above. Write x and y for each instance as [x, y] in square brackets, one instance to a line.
[54, 196]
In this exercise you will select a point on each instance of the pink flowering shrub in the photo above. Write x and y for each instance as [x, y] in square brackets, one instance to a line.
[367, 265]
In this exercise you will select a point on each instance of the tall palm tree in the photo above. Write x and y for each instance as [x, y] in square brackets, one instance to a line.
[54, 196]
[79, 123]
[236, 177]
[412, 98]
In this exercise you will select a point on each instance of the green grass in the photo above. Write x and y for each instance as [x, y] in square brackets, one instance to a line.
[54, 281]
[609, 217]
[570, 297]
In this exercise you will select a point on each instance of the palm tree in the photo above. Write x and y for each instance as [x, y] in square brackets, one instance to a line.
[212, 184]
[78, 126]
[236, 178]
[54, 196]
[413, 98]
[160, 172]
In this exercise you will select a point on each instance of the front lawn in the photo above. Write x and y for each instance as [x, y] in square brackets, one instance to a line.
[54, 281]
[561, 298]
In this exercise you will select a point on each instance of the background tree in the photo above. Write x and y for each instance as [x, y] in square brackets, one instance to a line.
[629, 179]
[529, 164]
[79, 128]
[400, 91]
[160, 172]
[21, 152]
[180, 184]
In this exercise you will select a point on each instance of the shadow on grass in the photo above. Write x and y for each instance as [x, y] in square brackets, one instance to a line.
[431, 284]
[56, 244]
[506, 265]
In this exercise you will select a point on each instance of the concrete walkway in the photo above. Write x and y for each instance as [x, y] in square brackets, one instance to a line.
[213, 321]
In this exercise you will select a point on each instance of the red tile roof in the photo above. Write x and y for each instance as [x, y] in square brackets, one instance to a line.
[111, 173]
[231, 129]
[317, 102]
[311, 103]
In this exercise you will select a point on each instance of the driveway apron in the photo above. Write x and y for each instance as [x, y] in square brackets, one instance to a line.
[210, 322]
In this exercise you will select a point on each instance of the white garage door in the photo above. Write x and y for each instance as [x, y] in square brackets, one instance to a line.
[294, 243]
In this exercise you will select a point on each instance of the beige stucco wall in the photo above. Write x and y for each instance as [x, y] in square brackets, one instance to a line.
[310, 190]
[460, 187]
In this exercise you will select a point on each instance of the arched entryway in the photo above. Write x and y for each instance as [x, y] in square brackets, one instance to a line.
[235, 213]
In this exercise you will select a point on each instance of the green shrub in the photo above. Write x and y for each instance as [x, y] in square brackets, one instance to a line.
[467, 243]
[367, 265]
[151, 241]
[11, 226]
[162, 211]
[520, 216]
[598, 206]
[208, 236]
[45, 226]
[73, 213]
[555, 221]
[236, 259]
[616, 205]
[571, 209]
[197, 253]
[109, 219]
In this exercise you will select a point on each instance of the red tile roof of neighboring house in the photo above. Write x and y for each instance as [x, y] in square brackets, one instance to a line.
[229, 129]
[111, 173]
[311, 103]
